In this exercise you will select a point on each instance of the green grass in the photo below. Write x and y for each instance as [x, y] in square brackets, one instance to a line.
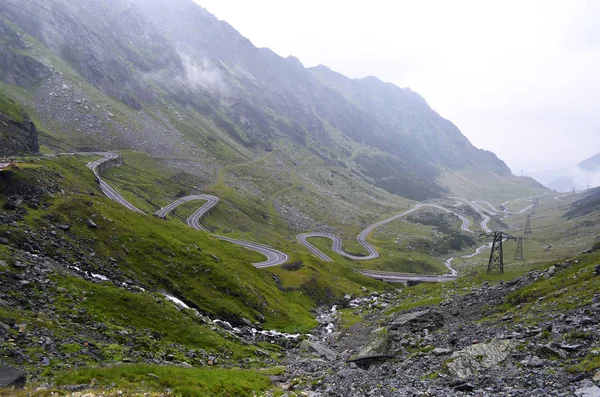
[11, 109]
[180, 381]
[348, 318]
[568, 289]
[589, 363]
[214, 275]
[123, 309]
[147, 183]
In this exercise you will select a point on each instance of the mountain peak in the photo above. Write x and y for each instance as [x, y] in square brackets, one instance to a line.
[591, 164]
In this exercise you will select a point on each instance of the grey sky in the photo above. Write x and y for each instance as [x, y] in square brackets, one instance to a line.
[520, 78]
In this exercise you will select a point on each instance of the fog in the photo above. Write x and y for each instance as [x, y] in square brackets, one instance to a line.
[518, 78]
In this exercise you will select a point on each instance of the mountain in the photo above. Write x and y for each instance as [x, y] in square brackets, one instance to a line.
[134, 74]
[591, 164]
[579, 177]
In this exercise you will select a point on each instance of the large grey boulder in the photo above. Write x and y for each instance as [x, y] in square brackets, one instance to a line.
[317, 349]
[477, 358]
[589, 391]
[12, 377]
[416, 321]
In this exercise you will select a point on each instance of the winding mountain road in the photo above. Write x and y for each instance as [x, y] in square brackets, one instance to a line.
[505, 211]
[108, 190]
[275, 257]
[372, 253]
[481, 211]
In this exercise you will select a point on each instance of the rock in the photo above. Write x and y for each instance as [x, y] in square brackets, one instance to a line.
[570, 348]
[12, 377]
[378, 346]
[591, 391]
[247, 322]
[13, 203]
[63, 227]
[3, 264]
[318, 350]
[91, 224]
[477, 358]
[534, 362]
[439, 351]
[4, 240]
[596, 377]
[461, 385]
[185, 365]
[597, 269]
[417, 321]
[224, 325]
[151, 375]
[262, 353]
[548, 351]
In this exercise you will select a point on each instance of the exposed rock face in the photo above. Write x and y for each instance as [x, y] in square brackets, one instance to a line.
[17, 137]
[16, 68]
[446, 350]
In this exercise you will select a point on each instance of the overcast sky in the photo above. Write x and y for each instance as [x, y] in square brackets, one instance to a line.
[519, 78]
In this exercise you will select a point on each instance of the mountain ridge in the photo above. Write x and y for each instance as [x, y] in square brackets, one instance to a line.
[184, 54]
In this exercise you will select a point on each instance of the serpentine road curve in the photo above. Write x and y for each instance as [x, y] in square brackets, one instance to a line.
[372, 253]
[275, 257]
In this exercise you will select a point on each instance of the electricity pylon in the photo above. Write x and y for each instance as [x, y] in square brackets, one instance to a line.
[497, 254]
[519, 253]
[528, 225]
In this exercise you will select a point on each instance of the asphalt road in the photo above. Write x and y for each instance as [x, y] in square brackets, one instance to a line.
[481, 211]
[194, 220]
[274, 257]
[399, 277]
[497, 211]
[112, 193]
[372, 253]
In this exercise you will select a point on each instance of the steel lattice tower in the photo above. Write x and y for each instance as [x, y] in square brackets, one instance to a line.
[497, 255]
[528, 225]
[519, 253]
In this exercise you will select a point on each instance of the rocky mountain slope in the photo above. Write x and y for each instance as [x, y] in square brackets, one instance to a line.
[18, 134]
[515, 338]
[162, 79]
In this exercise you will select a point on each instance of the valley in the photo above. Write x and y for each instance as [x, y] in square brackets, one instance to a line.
[183, 213]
